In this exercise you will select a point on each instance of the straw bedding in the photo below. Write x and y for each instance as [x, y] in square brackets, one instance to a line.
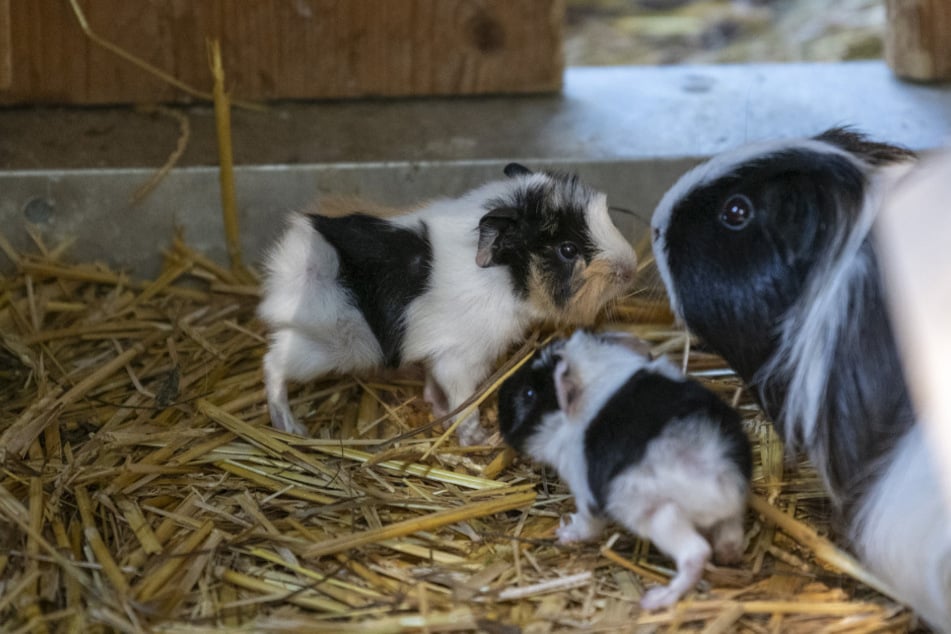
[142, 489]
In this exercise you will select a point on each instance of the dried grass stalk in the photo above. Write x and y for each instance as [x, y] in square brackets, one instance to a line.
[141, 489]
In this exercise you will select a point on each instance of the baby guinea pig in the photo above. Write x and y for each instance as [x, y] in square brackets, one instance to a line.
[637, 443]
[451, 284]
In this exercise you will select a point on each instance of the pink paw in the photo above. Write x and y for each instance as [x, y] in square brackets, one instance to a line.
[659, 597]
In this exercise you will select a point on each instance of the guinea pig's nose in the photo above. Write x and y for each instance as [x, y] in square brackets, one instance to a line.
[656, 234]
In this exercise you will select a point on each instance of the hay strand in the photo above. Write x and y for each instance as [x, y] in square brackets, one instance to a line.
[426, 523]
[142, 489]
[229, 205]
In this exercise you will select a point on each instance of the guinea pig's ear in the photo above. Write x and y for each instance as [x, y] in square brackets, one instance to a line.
[517, 169]
[567, 388]
[493, 228]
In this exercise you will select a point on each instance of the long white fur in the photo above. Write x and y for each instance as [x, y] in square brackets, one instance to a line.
[465, 319]
[809, 332]
[901, 531]
[685, 483]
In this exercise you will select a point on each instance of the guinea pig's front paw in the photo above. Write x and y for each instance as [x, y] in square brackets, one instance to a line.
[580, 527]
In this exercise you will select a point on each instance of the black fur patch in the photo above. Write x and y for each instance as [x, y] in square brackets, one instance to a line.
[618, 436]
[872, 152]
[384, 267]
[736, 286]
[514, 170]
[526, 397]
[549, 215]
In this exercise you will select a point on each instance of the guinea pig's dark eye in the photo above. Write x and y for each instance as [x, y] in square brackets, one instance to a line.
[568, 251]
[737, 212]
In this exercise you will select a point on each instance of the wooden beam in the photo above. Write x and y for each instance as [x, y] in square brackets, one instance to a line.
[277, 49]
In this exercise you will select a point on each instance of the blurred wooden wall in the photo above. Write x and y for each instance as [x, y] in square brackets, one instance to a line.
[918, 39]
[281, 49]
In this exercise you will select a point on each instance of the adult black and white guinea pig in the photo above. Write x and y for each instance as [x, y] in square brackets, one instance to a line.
[451, 284]
[768, 256]
[638, 443]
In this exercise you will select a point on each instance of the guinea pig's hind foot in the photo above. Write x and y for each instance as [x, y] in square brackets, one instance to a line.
[283, 420]
[689, 572]
[674, 534]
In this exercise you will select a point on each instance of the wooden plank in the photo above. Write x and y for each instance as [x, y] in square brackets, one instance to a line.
[285, 49]
[6, 47]
[918, 39]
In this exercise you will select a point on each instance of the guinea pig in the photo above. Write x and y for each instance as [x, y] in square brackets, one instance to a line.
[768, 256]
[638, 443]
[451, 284]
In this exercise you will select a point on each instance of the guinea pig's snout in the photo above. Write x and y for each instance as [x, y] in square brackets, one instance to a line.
[656, 234]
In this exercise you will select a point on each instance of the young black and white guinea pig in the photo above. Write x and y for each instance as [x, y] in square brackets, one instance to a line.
[451, 284]
[767, 255]
[638, 443]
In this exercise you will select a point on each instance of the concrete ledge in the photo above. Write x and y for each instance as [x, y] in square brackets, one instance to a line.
[630, 131]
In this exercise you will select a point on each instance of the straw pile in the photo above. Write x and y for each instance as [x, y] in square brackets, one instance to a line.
[142, 489]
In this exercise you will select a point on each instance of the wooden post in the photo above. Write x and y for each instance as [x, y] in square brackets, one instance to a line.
[918, 39]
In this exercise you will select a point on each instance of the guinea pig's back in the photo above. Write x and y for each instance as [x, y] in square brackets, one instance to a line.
[661, 438]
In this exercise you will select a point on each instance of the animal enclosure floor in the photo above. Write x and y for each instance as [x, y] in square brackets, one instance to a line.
[142, 489]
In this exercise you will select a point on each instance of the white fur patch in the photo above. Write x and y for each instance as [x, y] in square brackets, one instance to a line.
[599, 368]
[689, 464]
[560, 444]
[301, 294]
[610, 243]
[903, 532]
